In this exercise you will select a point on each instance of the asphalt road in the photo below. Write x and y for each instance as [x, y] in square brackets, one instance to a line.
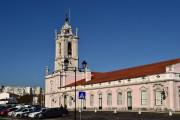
[111, 116]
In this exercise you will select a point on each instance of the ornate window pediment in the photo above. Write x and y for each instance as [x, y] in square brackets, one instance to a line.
[108, 91]
[128, 89]
[143, 88]
[119, 90]
[158, 86]
[99, 92]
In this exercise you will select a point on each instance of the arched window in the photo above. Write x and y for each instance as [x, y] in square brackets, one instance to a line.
[91, 100]
[66, 31]
[109, 99]
[69, 49]
[119, 98]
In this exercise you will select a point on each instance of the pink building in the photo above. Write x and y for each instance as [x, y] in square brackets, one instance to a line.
[148, 87]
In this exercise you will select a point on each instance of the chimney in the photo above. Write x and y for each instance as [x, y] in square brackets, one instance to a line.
[87, 74]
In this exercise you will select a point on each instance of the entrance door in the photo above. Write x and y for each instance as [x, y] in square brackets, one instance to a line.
[65, 101]
[129, 100]
[100, 101]
[84, 103]
[179, 99]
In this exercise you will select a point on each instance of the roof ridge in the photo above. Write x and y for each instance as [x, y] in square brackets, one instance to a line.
[145, 65]
[133, 72]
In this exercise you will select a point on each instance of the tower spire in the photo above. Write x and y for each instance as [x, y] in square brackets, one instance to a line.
[67, 16]
[66, 45]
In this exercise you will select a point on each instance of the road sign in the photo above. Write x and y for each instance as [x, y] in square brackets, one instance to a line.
[82, 95]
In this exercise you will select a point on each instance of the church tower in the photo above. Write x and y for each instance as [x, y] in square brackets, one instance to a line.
[66, 46]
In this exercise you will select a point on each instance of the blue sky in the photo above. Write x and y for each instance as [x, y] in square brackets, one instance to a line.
[114, 34]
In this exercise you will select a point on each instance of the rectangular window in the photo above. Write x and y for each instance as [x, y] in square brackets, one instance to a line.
[100, 101]
[91, 100]
[59, 101]
[119, 98]
[129, 100]
[144, 97]
[109, 99]
[158, 98]
[70, 100]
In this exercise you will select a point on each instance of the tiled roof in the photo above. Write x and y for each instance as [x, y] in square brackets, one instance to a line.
[134, 72]
[80, 82]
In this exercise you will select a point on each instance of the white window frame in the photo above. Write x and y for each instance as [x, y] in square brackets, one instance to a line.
[109, 99]
[60, 101]
[144, 97]
[119, 98]
[70, 100]
[158, 101]
[91, 100]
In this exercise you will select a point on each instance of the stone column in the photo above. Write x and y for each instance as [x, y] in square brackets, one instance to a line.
[171, 94]
[151, 97]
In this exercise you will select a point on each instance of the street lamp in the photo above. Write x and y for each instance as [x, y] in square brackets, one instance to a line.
[163, 94]
[84, 65]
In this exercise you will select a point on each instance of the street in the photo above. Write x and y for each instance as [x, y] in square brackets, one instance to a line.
[106, 115]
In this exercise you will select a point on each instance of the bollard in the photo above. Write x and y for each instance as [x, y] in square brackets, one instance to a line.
[95, 110]
[170, 113]
[80, 113]
[139, 112]
[115, 111]
[139, 115]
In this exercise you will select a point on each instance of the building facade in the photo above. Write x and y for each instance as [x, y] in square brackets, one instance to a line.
[148, 87]
[8, 98]
[19, 90]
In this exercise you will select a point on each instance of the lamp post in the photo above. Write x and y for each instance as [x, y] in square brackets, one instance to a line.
[163, 94]
[84, 65]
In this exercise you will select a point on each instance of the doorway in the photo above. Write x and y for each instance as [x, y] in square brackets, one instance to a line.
[65, 101]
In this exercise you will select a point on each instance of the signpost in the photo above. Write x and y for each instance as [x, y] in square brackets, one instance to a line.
[82, 96]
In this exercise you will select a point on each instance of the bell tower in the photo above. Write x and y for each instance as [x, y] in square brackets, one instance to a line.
[66, 46]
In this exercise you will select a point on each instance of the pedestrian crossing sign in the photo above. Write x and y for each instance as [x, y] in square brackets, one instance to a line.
[82, 95]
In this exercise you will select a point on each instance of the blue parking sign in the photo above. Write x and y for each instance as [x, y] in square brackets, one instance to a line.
[82, 95]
